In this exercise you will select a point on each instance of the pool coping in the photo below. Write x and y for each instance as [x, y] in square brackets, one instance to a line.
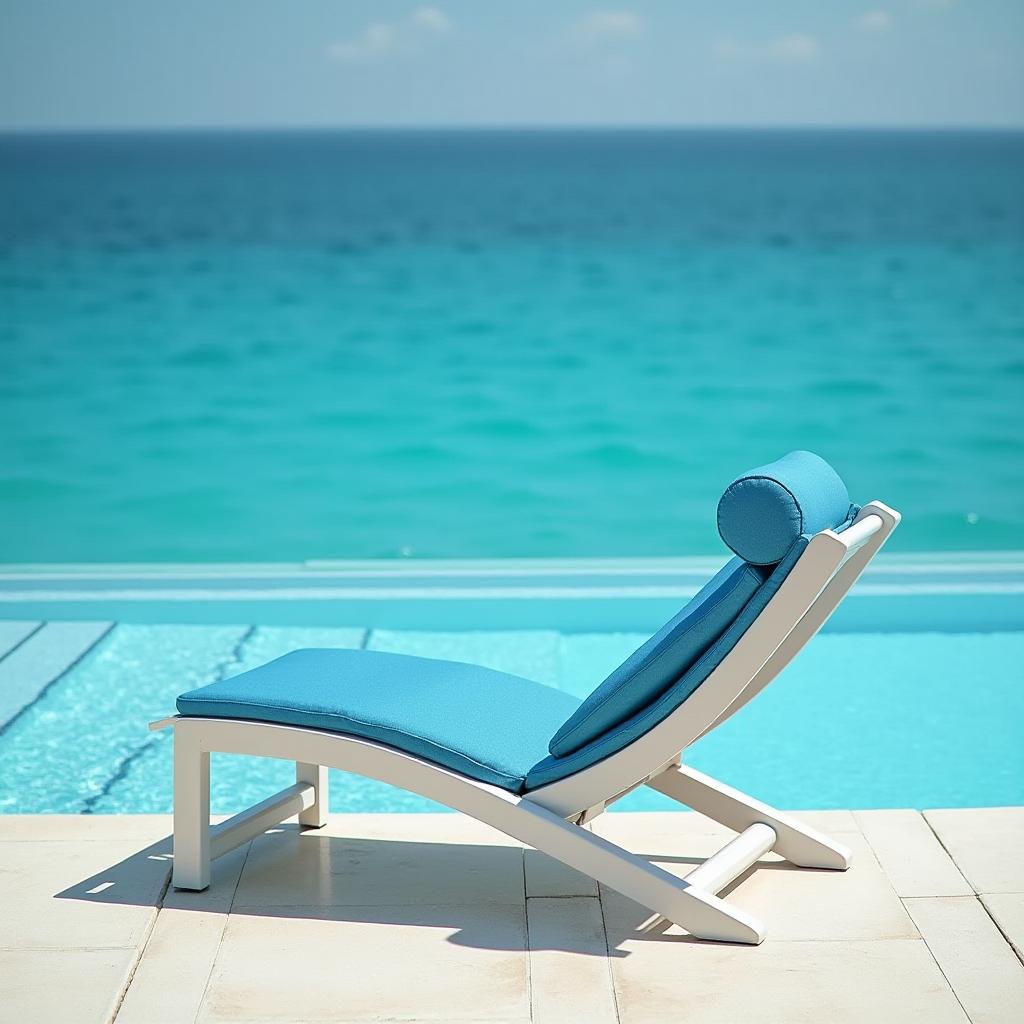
[938, 591]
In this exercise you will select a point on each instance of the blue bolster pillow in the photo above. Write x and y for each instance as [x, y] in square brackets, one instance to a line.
[766, 509]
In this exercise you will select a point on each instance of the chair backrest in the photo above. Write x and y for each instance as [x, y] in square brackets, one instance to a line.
[786, 497]
[763, 516]
[800, 595]
[650, 670]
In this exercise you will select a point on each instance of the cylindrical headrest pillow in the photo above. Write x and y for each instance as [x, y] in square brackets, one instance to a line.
[763, 511]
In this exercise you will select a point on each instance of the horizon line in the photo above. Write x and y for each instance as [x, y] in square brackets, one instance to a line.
[510, 126]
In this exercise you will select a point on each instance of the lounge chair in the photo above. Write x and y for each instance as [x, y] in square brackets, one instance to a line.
[535, 762]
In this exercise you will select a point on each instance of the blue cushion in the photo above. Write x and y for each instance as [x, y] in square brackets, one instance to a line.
[764, 511]
[554, 768]
[488, 725]
[650, 670]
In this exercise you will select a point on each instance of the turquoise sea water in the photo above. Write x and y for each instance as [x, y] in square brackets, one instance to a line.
[367, 344]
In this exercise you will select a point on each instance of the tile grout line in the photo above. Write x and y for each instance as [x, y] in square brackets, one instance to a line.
[948, 851]
[885, 872]
[223, 929]
[57, 678]
[140, 952]
[235, 657]
[152, 740]
[608, 955]
[120, 772]
[889, 881]
[24, 640]
[931, 952]
[978, 895]
[559, 896]
[529, 946]
[999, 928]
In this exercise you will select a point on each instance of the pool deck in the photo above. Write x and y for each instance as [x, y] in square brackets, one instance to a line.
[959, 591]
[407, 917]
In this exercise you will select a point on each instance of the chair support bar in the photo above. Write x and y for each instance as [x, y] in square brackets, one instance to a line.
[732, 859]
[254, 820]
[798, 843]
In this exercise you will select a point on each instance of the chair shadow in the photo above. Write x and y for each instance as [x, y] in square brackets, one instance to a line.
[475, 891]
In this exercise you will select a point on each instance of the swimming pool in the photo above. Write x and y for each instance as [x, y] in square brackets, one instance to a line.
[884, 709]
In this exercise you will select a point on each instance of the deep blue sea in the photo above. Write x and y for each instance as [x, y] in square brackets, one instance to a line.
[445, 344]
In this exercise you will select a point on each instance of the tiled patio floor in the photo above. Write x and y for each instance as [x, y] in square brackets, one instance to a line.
[436, 918]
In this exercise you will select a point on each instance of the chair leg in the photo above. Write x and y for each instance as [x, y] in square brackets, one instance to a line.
[191, 812]
[700, 912]
[314, 816]
[798, 843]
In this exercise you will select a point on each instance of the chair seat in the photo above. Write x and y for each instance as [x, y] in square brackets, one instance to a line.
[488, 725]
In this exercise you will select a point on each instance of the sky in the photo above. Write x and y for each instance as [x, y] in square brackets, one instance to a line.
[84, 64]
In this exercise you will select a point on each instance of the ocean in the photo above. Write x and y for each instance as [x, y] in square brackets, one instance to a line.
[376, 344]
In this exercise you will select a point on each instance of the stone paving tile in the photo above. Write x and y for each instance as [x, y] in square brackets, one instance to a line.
[311, 869]
[910, 855]
[451, 829]
[987, 844]
[569, 975]
[668, 979]
[469, 955]
[800, 903]
[170, 981]
[316, 964]
[793, 903]
[1007, 909]
[84, 827]
[93, 894]
[66, 985]
[986, 975]
[546, 876]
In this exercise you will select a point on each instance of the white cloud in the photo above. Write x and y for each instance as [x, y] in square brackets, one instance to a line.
[432, 19]
[374, 41]
[385, 39]
[798, 48]
[875, 21]
[600, 25]
[793, 48]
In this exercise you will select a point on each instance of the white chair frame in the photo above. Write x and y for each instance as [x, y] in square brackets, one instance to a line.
[550, 818]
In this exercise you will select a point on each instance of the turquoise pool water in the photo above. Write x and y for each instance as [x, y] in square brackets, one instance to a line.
[858, 720]
[485, 344]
